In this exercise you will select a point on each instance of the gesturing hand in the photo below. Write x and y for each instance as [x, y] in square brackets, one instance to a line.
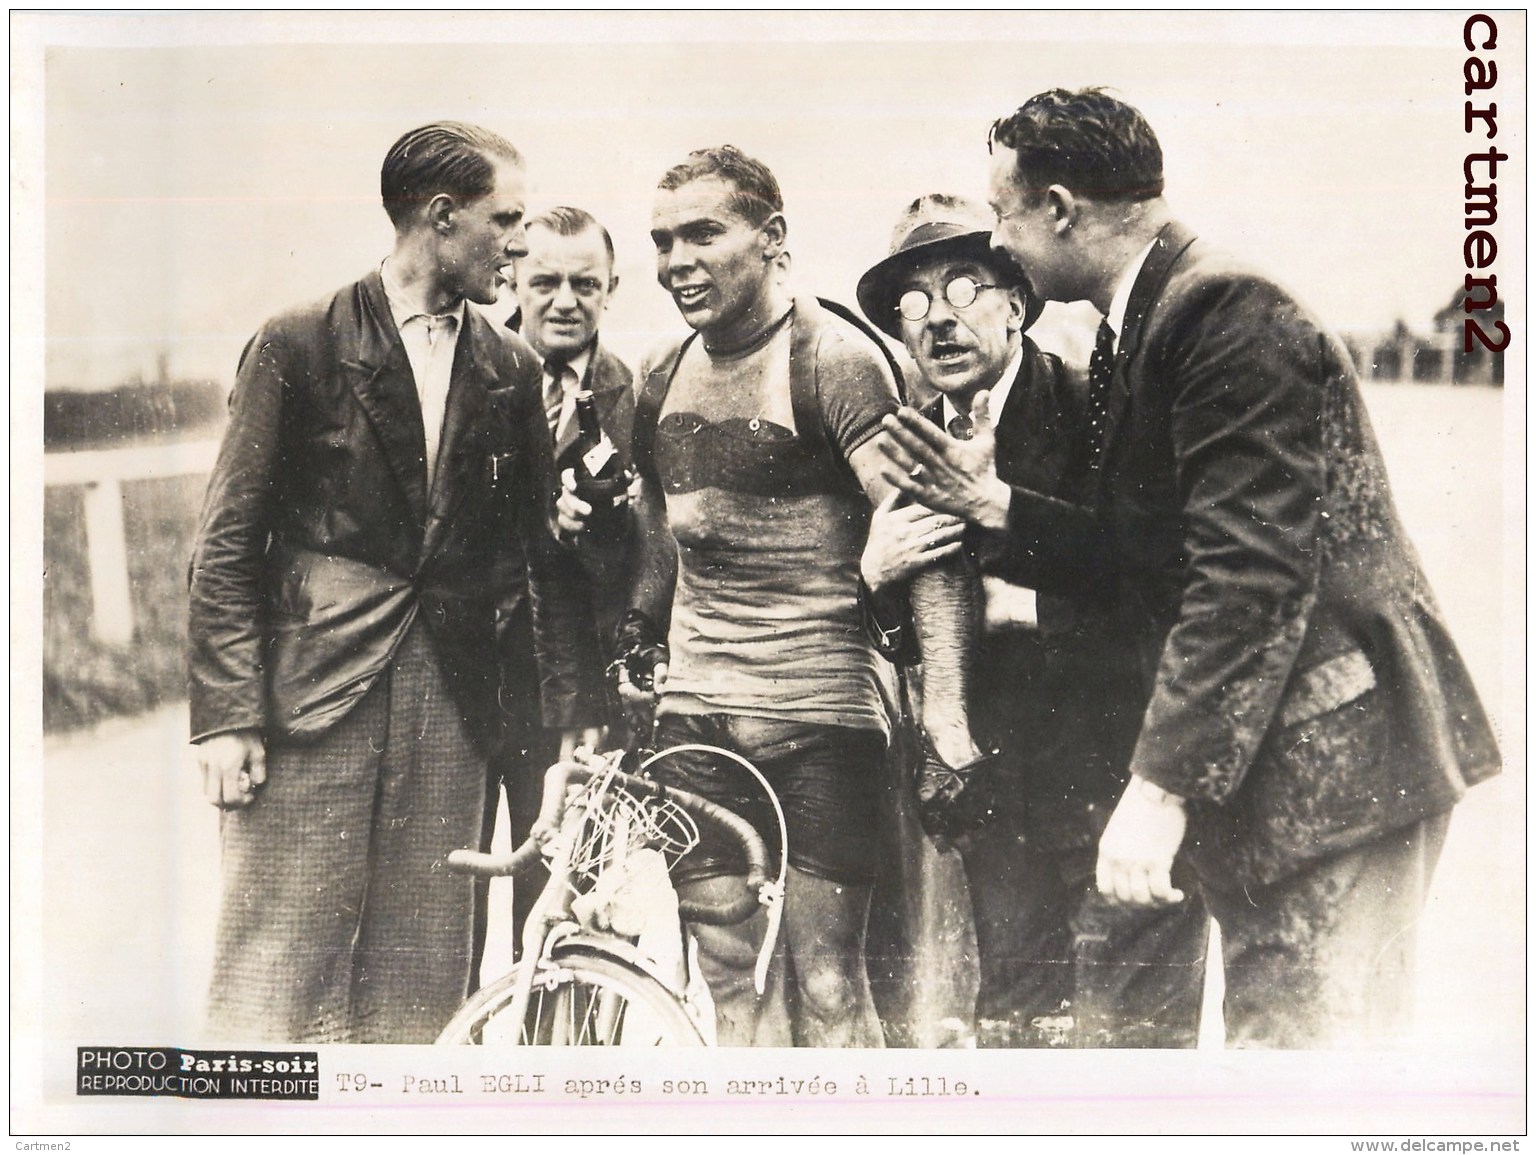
[904, 539]
[955, 477]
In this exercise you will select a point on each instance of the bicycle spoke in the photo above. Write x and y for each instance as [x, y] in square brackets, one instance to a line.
[609, 1015]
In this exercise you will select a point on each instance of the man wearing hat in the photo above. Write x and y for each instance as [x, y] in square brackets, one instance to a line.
[1307, 723]
[1054, 692]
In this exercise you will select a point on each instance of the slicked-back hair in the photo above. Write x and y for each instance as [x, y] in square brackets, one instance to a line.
[1087, 141]
[565, 221]
[757, 195]
[446, 157]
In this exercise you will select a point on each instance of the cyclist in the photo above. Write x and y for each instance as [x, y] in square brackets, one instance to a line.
[756, 446]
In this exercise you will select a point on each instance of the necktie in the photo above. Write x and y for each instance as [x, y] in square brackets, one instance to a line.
[961, 427]
[554, 390]
[1101, 370]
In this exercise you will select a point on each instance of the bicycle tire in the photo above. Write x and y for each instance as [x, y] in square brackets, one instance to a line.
[589, 999]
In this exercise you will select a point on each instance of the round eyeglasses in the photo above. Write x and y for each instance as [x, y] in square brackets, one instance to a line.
[961, 292]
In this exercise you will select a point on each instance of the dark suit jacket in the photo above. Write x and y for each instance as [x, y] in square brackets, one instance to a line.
[320, 545]
[597, 574]
[1059, 703]
[1302, 690]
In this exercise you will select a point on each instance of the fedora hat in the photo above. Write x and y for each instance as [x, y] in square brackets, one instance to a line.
[937, 225]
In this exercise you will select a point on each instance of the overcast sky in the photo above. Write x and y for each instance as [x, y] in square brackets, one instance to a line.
[197, 181]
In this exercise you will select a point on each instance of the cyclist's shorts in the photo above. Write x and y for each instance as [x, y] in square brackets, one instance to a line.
[828, 779]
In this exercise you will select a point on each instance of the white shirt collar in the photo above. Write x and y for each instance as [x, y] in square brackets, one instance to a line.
[405, 306]
[1122, 298]
[998, 396]
[579, 363]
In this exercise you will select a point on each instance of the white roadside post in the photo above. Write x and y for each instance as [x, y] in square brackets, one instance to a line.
[102, 473]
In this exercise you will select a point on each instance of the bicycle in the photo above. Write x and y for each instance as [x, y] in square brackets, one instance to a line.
[583, 980]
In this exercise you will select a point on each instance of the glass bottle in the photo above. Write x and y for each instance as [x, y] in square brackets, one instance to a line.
[601, 479]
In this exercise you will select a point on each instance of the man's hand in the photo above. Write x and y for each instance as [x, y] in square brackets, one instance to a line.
[956, 477]
[233, 765]
[639, 668]
[636, 695]
[640, 703]
[586, 738]
[905, 539]
[1137, 850]
[571, 512]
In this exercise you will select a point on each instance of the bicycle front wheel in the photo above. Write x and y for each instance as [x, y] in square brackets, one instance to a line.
[581, 997]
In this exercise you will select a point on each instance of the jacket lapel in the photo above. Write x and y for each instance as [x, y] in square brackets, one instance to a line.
[461, 449]
[566, 439]
[606, 388]
[379, 375]
[1012, 423]
[1169, 246]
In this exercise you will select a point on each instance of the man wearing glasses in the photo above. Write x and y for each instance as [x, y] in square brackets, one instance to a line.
[1058, 963]
[1308, 723]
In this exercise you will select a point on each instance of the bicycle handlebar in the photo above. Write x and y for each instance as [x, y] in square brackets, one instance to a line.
[562, 775]
[495, 865]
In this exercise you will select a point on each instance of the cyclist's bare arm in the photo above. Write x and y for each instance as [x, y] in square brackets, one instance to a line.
[656, 564]
[945, 612]
[656, 570]
[651, 590]
[655, 581]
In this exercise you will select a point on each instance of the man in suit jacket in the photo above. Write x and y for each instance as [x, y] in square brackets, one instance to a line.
[1308, 723]
[384, 466]
[562, 284]
[1058, 963]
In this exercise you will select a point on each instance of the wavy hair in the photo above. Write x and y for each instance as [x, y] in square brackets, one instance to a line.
[1088, 141]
